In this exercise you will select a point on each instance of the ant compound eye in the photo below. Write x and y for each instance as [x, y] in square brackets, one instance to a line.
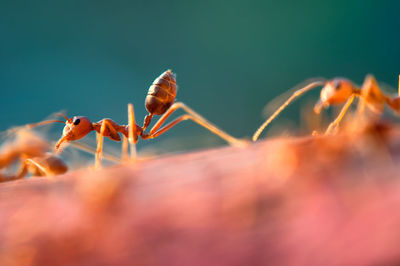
[336, 84]
[76, 121]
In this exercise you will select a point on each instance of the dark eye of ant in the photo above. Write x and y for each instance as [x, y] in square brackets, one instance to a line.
[77, 121]
[336, 84]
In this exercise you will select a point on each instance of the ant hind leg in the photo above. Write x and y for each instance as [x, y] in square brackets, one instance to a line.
[194, 116]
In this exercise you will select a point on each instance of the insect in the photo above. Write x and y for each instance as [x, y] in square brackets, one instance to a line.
[47, 165]
[338, 91]
[26, 144]
[31, 151]
[32, 154]
[160, 100]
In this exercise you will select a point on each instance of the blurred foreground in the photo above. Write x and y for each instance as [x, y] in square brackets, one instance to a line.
[300, 201]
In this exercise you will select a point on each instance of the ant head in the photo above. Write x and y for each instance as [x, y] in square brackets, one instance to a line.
[75, 128]
[336, 91]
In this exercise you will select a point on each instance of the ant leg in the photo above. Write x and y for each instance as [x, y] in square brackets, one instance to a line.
[339, 118]
[132, 134]
[48, 165]
[284, 105]
[172, 124]
[99, 150]
[86, 148]
[196, 118]
[100, 137]
[124, 155]
[39, 166]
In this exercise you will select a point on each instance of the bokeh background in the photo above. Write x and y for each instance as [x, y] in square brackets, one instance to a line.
[231, 57]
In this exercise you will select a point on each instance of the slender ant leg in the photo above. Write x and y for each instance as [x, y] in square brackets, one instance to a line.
[191, 114]
[105, 125]
[132, 134]
[332, 126]
[284, 105]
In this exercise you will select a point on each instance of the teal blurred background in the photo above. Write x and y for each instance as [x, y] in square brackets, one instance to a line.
[231, 57]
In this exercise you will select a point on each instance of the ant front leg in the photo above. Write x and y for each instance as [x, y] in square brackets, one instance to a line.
[41, 169]
[332, 126]
[156, 131]
[296, 94]
[48, 165]
[105, 125]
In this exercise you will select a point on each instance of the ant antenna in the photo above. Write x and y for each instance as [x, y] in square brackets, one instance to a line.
[61, 114]
[29, 126]
[285, 104]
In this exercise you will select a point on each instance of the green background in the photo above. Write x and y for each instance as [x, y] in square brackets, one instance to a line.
[231, 57]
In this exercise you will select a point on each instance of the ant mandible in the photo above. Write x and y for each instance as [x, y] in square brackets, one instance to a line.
[159, 101]
[338, 91]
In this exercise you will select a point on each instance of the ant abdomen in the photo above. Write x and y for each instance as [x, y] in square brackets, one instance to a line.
[161, 94]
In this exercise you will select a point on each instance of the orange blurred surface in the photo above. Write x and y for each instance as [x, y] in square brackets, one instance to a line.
[292, 201]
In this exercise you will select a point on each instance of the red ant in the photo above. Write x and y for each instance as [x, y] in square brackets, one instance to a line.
[159, 101]
[31, 151]
[340, 90]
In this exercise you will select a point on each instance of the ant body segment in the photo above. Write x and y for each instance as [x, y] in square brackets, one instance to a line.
[160, 100]
[338, 91]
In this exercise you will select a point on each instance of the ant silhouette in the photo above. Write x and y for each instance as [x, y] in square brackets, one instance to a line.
[160, 100]
[338, 91]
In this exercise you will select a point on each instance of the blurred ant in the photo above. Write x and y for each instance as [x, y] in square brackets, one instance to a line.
[31, 151]
[340, 90]
[159, 101]
[47, 165]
